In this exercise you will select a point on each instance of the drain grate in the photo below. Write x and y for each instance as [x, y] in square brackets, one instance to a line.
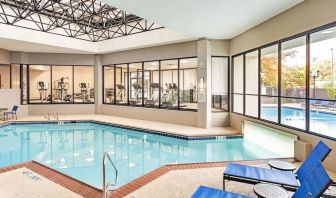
[32, 175]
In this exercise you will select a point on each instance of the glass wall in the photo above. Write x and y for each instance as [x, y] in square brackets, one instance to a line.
[269, 83]
[219, 83]
[238, 84]
[62, 87]
[296, 82]
[4, 76]
[169, 84]
[152, 90]
[251, 83]
[84, 90]
[40, 84]
[188, 83]
[59, 84]
[24, 84]
[322, 90]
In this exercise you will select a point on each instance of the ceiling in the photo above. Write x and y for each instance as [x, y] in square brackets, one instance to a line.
[214, 19]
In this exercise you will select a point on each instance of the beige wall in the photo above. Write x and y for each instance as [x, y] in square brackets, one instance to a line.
[61, 109]
[307, 15]
[158, 115]
[5, 56]
[179, 50]
[293, 21]
[14, 95]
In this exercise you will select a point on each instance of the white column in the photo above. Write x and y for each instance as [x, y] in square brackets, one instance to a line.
[98, 82]
[204, 74]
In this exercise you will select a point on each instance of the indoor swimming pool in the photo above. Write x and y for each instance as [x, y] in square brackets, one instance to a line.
[320, 122]
[77, 149]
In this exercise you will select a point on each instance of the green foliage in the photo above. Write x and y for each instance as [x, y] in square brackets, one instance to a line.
[331, 91]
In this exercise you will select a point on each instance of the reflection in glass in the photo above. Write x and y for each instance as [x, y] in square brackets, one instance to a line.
[4, 77]
[251, 73]
[169, 83]
[62, 84]
[269, 71]
[109, 84]
[84, 90]
[238, 85]
[39, 84]
[152, 84]
[24, 83]
[188, 83]
[135, 74]
[219, 85]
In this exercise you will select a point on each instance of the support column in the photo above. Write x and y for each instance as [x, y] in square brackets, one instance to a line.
[98, 82]
[204, 83]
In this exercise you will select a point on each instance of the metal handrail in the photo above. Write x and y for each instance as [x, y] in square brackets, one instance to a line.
[106, 185]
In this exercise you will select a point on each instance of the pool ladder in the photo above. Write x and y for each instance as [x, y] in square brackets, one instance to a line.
[108, 187]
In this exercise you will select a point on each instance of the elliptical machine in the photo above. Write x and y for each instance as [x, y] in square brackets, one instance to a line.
[61, 90]
[84, 87]
[43, 89]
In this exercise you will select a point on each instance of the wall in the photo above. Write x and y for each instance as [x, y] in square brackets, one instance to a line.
[5, 57]
[179, 50]
[158, 115]
[61, 109]
[14, 95]
[293, 21]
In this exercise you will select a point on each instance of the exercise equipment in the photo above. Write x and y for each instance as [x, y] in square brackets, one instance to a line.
[84, 87]
[121, 93]
[61, 90]
[43, 88]
[169, 95]
[155, 89]
[137, 87]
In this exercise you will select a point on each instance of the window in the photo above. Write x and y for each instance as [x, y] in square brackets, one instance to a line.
[152, 88]
[220, 85]
[168, 84]
[136, 84]
[24, 84]
[62, 87]
[297, 82]
[121, 85]
[322, 82]
[269, 83]
[251, 83]
[238, 85]
[293, 69]
[188, 83]
[84, 90]
[39, 84]
[4, 77]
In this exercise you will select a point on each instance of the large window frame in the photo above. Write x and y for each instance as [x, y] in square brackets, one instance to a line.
[143, 104]
[306, 98]
[51, 85]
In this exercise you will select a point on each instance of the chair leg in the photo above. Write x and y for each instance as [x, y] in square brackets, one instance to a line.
[224, 183]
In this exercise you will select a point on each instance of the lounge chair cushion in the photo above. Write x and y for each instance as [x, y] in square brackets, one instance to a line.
[262, 174]
[206, 192]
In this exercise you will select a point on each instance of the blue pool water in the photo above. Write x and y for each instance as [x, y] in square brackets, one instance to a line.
[76, 149]
[320, 122]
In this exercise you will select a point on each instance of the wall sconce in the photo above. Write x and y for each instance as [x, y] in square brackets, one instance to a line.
[201, 83]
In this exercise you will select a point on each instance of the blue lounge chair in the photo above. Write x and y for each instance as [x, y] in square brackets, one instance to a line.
[251, 174]
[313, 186]
[13, 113]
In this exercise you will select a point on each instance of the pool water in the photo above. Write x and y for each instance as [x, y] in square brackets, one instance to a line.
[77, 149]
[320, 122]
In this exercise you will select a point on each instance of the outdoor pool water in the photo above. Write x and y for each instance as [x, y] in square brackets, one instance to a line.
[320, 122]
[77, 149]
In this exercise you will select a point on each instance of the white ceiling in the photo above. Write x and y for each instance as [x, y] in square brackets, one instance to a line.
[214, 19]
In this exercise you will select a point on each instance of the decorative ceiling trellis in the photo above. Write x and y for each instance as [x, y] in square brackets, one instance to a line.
[82, 19]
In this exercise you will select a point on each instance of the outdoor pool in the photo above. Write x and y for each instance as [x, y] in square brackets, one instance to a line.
[320, 122]
[77, 149]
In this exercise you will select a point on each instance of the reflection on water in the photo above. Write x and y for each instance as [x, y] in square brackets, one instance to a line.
[77, 150]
